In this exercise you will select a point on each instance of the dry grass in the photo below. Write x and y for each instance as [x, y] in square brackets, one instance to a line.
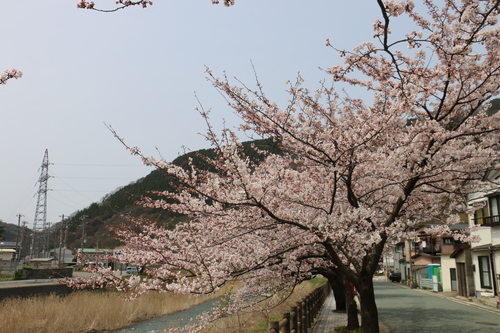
[94, 311]
[87, 311]
[255, 320]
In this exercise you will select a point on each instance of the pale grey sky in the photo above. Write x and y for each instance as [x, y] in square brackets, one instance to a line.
[138, 69]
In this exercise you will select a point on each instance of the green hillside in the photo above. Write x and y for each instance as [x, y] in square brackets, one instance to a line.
[100, 216]
[9, 232]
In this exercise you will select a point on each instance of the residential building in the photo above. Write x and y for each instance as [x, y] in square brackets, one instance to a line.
[429, 255]
[485, 254]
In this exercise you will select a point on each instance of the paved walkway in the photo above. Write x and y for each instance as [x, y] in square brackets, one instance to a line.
[328, 319]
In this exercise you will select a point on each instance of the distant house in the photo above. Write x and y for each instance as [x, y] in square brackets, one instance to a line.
[7, 256]
[62, 255]
[41, 262]
[95, 256]
[429, 255]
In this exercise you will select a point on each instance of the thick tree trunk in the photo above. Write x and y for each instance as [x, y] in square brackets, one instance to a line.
[369, 312]
[336, 280]
[352, 308]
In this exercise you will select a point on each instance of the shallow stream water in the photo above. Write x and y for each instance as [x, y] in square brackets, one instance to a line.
[173, 320]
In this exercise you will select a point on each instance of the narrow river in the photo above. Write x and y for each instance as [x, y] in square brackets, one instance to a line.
[173, 320]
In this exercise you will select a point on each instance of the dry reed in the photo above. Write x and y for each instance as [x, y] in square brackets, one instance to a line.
[95, 311]
[87, 311]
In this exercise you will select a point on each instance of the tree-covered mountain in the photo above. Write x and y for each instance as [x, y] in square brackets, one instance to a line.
[96, 220]
[9, 232]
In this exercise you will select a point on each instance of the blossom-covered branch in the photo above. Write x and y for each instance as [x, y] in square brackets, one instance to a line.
[10, 74]
[122, 4]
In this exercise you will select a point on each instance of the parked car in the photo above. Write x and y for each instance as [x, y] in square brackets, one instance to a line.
[132, 270]
[395, 277]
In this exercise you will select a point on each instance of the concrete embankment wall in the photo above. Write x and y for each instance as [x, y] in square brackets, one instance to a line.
[23, 290]
[39, 289]
[48, 273]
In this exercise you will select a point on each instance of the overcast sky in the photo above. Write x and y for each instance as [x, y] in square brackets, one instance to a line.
[138, 70]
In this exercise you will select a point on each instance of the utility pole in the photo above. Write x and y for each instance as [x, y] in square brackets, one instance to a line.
[65, 231]
[60, 240]
[84, 235]
[18, 250]
[23, 231]
[47, 239]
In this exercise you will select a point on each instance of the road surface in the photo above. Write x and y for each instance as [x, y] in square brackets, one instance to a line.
[405, 310]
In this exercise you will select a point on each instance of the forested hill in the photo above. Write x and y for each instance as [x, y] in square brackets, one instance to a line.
[99, 216]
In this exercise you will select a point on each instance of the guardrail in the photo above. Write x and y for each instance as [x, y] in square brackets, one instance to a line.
[301, 317]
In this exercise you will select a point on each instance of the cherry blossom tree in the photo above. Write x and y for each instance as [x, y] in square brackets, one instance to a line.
[353, 175]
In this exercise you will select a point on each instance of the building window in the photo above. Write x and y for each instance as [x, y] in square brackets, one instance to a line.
[494, 209]
[484, 271]
[448, 240]
[481, 215]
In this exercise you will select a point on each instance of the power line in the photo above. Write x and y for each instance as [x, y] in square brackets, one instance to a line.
[101, 178]
[103, 165]
[96, 191]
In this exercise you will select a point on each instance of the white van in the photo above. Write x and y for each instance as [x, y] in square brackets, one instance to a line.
[132, 270]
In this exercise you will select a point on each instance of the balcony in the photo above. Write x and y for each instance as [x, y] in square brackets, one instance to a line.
[488, 221]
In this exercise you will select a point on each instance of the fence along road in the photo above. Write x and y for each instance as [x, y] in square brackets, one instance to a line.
[301, 318]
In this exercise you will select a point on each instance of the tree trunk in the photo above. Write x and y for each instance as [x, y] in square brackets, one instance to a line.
[352, 308]
[336, 280]
[369, 312]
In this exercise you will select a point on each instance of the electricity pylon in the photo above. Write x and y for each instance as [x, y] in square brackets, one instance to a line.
[38, 243]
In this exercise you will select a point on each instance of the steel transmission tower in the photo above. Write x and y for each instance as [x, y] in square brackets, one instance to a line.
[38, 240]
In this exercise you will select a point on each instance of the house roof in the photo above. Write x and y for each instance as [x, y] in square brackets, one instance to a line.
[459, 249]
[417, 267]
[9, 244]
[7, 250]
[92, 250]
[41, 259]
[453, 227]
[486, 247]
[459, 226]
[424, 255]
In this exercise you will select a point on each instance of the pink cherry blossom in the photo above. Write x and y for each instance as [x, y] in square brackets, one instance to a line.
[10, 74]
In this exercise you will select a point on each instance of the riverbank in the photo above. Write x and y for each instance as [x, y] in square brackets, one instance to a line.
[105, 311]
[88, 311]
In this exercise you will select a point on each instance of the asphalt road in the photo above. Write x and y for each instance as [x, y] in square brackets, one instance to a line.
[405, 310]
